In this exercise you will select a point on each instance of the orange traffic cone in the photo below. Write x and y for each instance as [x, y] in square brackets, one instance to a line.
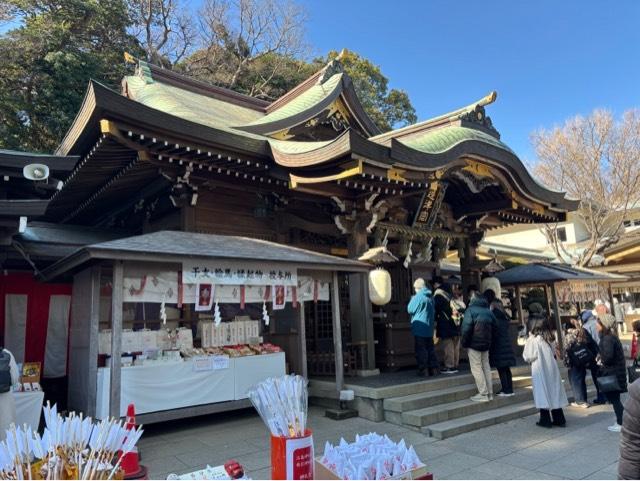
[131, 462]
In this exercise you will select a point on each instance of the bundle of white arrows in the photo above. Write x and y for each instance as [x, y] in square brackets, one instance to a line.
[72, 447]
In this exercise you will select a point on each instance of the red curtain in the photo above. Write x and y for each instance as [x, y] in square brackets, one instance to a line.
[38, 296]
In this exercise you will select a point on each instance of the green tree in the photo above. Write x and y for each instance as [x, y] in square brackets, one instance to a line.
[47, 61]
[387, 108]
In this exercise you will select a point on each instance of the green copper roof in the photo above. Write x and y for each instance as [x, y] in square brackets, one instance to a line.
[303, 102]
[291, 147]
[190, 105]
[442, 139]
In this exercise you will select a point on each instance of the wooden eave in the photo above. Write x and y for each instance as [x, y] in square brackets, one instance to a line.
[407, 157]
[23, 207]
[18, 160]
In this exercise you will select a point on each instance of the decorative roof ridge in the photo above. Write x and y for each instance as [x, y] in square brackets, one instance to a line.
[152, 73]
[321, 76]
[473, 113]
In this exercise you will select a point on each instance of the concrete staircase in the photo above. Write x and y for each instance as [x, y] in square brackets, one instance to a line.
[445, 410]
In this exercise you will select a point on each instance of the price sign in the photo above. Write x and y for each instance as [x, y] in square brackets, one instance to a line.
[220, 362]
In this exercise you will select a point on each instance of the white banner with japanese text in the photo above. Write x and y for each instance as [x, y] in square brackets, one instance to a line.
[237, 273]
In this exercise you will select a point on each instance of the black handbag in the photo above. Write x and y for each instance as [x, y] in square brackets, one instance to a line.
[609, 384]
[633, 371]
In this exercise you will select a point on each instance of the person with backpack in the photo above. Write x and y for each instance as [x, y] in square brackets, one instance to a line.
[612, 373]
[580, 354]
[478, 331]
[446, 328]
[549, 395]
[501, 354]
[8, 377]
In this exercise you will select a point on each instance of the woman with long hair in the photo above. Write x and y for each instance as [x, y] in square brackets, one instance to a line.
[612, 366]
[548, 392]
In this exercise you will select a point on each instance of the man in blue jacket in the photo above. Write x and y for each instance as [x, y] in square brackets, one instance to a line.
[422, 312]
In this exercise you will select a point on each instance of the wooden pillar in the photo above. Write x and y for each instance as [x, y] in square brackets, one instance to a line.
[302, 339]
[360, 310]
[547, 296]
[556, 311]
[116, 338]
[468, 273]
[337, 332]
[519, 306]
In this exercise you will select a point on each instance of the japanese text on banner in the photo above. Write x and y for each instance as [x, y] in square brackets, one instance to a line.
[238, 273]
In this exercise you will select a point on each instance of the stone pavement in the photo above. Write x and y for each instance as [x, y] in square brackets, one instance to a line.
[514, 450]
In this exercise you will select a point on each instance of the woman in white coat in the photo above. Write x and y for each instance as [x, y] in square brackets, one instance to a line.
[7, 402]
[548, 392]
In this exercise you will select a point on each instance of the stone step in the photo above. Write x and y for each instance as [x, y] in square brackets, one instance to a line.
[454, 427]
[465, 424]
[464, 407]
[441, 396]
[427, 385]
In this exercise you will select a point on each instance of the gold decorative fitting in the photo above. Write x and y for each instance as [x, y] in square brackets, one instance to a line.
[396, 174]
[478, 169]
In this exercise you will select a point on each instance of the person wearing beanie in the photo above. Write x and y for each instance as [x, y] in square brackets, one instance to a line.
[422, 314]
[589, 324]
[612, 363]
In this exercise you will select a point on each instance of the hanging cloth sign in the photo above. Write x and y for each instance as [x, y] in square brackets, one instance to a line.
[204, 296]
[279, 297]
[237, 273]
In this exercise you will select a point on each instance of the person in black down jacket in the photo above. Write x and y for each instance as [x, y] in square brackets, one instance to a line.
[446, 329]
[612, 363]
[629, 463]
[478, 329]
[501, 355]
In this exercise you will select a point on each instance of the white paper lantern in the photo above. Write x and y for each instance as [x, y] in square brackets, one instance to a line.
[379, 286]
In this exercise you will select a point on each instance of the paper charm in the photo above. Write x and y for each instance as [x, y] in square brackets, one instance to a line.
[265, 314]
[279, 297]
[407, 260]
[216, 314]
[294, 296]
[204, 297]
[163, 312]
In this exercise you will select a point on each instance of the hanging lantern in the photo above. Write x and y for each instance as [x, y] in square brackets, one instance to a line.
[379, 286]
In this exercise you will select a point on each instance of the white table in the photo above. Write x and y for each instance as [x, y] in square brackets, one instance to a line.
[250, 370]
[175, 385]
[28, 408]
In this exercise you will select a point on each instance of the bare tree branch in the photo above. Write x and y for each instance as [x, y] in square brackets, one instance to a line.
[597, 160]
[165, 29]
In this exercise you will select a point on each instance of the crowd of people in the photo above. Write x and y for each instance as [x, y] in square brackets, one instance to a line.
[482, 328]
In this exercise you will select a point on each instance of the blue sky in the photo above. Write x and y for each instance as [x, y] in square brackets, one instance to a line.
[548, 60]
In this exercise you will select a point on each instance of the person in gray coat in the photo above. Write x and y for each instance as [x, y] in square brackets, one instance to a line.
[629, 462]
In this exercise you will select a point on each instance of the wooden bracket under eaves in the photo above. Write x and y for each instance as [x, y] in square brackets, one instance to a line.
[108, 127]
